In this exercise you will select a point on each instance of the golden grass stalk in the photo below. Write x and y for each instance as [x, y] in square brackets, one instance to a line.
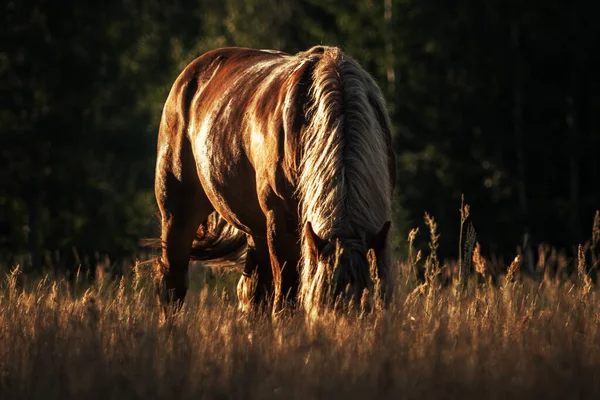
[412, 259]
[432, 264]
[464, 215]
[479, 262]
[512, 273]
[584, 279]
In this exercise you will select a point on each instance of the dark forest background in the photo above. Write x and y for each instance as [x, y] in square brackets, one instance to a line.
[495, 99]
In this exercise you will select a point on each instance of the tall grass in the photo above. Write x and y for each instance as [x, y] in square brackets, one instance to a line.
[522, 339]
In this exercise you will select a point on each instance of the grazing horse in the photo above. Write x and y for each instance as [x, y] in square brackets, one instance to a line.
[285, 161]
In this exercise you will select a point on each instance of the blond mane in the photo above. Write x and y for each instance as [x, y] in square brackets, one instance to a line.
[343, 181]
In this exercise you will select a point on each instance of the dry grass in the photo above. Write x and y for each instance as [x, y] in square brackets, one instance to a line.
[522, 339]
[456, 333]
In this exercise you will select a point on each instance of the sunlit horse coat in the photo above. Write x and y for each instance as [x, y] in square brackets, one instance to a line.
[279, 157]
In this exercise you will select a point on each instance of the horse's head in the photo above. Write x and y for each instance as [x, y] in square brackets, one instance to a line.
[345, 263]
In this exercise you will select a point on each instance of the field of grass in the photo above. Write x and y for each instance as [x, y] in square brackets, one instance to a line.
[520, 337]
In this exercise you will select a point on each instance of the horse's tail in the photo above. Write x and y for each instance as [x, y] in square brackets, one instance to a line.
[218, 242]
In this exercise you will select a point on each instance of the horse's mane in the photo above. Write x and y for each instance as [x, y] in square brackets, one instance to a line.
[343, 176]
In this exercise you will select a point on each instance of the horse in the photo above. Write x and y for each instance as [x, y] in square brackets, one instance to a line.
[283, 161]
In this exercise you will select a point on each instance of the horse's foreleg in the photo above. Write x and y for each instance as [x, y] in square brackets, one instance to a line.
[284, 255]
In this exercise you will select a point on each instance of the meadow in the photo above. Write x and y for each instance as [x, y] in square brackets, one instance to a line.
[448, 335]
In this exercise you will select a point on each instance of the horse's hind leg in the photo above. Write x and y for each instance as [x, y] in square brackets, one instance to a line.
[256, 284]
[183, 206]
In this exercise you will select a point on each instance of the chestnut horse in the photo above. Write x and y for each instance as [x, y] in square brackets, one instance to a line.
[284, 160]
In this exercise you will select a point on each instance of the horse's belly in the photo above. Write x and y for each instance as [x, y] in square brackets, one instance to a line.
[229, 181]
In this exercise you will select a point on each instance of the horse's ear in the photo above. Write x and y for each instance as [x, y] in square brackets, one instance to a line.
[315, 243]
[379, 241]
